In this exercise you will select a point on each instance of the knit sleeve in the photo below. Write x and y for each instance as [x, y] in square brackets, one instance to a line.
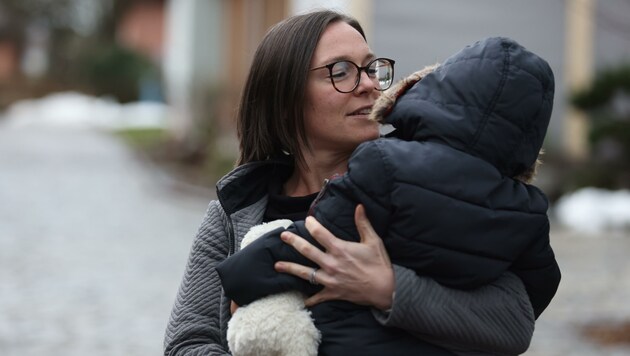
[195, 325]
[497, 318]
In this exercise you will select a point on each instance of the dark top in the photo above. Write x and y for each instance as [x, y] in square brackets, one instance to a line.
[280, 206]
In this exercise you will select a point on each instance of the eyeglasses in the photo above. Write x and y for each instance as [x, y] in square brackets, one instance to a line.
[346, 75]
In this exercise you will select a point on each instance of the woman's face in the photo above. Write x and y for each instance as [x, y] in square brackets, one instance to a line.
[334, 121]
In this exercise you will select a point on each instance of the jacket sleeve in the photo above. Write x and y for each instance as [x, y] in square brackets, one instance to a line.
[249, 274]
[538, 269]
[194, 327]
[497, 318]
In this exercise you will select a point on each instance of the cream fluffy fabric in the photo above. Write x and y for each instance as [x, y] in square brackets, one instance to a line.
[278, 324]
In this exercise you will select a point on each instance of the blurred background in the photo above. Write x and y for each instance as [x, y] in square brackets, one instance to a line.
[117, 118]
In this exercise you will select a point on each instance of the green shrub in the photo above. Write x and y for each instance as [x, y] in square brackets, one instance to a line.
[609, 135]
[115, 71]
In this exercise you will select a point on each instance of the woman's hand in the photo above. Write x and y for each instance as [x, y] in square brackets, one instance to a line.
[358, 272]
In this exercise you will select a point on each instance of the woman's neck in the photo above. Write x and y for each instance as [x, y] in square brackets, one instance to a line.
[308, 178]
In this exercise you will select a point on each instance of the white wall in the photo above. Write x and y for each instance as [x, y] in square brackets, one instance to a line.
[359, 9]
[192, 58]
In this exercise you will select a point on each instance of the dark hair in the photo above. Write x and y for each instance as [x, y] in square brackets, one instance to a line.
[270, 117]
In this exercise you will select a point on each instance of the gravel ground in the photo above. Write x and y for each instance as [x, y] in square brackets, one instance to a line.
[93, 243]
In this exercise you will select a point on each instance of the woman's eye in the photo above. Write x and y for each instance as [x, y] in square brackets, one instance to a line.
[340, 70]
[339, 74]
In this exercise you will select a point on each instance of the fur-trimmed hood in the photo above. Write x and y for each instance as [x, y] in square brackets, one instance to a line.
[493, 99]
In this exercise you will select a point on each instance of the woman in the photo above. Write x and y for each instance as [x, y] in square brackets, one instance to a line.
[436, 190]
[291, 105]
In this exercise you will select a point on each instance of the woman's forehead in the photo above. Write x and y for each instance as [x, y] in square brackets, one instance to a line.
[340, 41]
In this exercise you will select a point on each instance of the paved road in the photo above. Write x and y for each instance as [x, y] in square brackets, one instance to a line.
[595, 288]
[93, 243]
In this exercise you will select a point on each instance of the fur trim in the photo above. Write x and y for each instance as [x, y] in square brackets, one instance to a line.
[274, 325]
[259, 230]
[529, 175]
[385, 103]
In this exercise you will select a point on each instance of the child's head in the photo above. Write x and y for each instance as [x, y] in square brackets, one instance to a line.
[493, 99]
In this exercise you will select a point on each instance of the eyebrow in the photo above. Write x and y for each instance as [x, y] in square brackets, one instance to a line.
[367, 57]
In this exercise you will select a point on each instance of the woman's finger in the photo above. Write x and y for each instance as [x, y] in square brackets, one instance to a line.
[302, 246]
[368, 235]
[305, 272]
[322, 296]
[359, 272]
[366, 231]
[320, 233]
[295, 269]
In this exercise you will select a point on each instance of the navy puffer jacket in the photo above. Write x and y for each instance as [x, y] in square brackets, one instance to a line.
[440, 192]
[439, 189]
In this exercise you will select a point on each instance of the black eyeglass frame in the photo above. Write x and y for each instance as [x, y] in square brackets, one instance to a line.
[359, 69]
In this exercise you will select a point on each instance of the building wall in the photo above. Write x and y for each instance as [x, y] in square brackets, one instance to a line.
[212, 41]
[142, 29]
[247, 22]
[612, 32]
[209, 47]
[420, 32]
[8, 60]
[192, 61]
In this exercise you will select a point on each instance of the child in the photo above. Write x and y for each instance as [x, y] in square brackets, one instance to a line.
[446, 191]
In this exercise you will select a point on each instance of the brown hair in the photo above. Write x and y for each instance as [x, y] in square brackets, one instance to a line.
[270, 117]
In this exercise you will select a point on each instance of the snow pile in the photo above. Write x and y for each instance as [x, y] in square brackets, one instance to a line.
[75, 110]
[594, 210]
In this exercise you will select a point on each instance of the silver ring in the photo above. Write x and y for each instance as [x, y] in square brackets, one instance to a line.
[311, 279]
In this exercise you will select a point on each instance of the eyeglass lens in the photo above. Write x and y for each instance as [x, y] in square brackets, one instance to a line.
[345, 75]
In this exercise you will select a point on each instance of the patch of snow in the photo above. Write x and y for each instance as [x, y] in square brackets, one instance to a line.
[76, 110]
[595, 210]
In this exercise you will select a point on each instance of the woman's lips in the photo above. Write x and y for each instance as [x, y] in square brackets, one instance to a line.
[362, 111]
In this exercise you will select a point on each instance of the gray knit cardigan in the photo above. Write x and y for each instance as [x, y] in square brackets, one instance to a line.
[495, 319]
